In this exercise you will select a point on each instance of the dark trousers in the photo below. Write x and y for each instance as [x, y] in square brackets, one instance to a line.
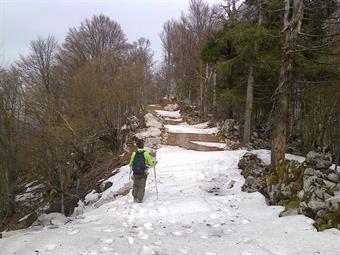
[139, 187]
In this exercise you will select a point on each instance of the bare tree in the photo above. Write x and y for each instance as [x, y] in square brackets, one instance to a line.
[36, 68]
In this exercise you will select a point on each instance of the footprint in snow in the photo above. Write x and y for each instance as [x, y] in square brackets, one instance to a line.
[177, 233]
[160, 233]
[214, 216]
[228, 231]
[107, 240]
[108, 230]
[112, 209]
[148, 226]
[73, 232]
[245, 221]
[143, 211]
[51, 247]
[189, 231]
[105, 248]
[162, 209]
[130, 240]
[147, 250]
[247, 240]
[142, 235]
[184, 251]
[130, 219]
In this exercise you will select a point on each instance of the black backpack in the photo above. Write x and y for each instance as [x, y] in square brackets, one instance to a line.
[139, 166]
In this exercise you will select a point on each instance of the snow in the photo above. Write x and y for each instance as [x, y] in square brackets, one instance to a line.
[31, 189]
[208, 144]
[169, 114]
[264, 155]
[187, 218]
[92, 197]
[201, 210]
[184, 128]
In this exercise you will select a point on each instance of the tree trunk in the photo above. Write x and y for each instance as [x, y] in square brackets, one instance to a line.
[214, 93]
[61, 182]
[292, 25]
[249, 106]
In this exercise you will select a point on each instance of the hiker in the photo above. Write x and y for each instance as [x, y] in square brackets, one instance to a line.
[139, 162]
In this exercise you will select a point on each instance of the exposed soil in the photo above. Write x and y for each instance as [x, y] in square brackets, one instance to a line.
[184, 141]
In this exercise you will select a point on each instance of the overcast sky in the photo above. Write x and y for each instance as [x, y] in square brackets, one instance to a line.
[22, 21]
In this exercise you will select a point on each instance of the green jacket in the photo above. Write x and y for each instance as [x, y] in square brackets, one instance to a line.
[148, 161]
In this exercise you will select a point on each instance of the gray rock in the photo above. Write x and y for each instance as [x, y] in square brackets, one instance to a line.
[309, 171]
[257, 172]
[152, 142]
[309, 182]
[316, 205]
[319, 193]
[319, 160]
[301, 194]
[230, 184]
[333, 203]
[333, 177]
[329, 184]
[286, 191]
[321, 213]
[289, 212]
[302, 207]
[250, 180]
[327, 196]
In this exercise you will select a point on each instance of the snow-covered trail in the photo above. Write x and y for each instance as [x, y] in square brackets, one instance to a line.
[201, 210]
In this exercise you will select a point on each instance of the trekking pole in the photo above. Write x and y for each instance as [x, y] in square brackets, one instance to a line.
[154, 170]
[129, 184]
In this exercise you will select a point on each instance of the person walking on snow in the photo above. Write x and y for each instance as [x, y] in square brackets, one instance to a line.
[139, 162]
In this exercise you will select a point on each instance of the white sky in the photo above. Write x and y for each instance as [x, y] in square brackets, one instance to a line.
[22, 21]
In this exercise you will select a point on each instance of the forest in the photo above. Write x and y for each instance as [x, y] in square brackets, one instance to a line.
[272, 66]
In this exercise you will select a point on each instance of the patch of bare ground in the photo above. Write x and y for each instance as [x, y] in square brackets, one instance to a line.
[184, 140]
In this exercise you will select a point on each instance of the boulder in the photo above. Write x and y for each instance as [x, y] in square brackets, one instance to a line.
[152, 121]
[310, 182]
[149, 132]
[289, 212]
[315, 206]
[309, 172]
[319, 160]
[333, 203]
[152, 142]
[334, 177]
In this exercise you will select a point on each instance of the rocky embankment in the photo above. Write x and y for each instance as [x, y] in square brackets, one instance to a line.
[311, 188]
